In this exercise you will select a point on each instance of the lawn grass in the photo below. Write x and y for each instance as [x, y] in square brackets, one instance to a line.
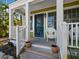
[73, 57]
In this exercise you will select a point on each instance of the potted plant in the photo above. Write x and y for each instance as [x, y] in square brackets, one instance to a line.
[54, 48]
[28, 44]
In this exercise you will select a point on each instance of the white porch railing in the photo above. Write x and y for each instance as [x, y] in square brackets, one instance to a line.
[20, 38]
[73, 40]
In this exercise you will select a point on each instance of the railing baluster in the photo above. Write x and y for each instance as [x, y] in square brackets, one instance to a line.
[68, 35]
[74, 29]
[76, 34]
[71, 34]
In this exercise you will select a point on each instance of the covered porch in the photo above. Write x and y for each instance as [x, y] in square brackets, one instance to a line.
[22, 32]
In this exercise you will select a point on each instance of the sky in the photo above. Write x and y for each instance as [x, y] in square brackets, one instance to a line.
[8, 1]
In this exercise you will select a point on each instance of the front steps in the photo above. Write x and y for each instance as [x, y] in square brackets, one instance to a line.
[38, 52]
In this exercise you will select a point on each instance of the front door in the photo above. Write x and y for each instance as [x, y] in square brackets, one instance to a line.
[39, 25]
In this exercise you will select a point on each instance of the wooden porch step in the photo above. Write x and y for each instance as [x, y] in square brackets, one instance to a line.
[39, 50]
[36, 51]
[42, 52]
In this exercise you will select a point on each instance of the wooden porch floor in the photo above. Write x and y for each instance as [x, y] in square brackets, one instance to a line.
[42, 41]
[36, 52]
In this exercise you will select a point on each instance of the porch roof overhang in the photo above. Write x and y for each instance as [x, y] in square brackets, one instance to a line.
[23, 2]
[20, 3]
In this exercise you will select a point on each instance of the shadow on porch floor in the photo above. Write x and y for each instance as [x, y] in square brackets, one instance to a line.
[42, 41]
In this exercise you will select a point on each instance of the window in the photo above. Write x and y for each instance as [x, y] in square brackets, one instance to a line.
[31, 23]
[71, 15]
[65, 14]
[77, 12]
[51, 20]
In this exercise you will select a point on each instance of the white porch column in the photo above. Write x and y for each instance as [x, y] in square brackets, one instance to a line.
[33, 25]
[61, 37]
[46, 20]
[27, 21]
[10, 23]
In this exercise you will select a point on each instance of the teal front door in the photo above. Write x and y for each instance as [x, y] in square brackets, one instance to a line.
[39, 25]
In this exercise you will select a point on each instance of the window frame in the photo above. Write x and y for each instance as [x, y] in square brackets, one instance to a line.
[53, 21]
[31, 23]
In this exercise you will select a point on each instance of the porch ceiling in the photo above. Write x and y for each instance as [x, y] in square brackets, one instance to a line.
[41, 5]
[23, 2]
[35, 5]
[37, 2]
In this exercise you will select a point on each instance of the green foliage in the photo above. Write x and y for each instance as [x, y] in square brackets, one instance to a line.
[17, 22]
[4, 20]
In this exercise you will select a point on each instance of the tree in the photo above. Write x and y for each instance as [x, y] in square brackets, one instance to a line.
[4, 20]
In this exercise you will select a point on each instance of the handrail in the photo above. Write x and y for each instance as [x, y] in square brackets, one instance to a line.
[74, 23]
[20, 38]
